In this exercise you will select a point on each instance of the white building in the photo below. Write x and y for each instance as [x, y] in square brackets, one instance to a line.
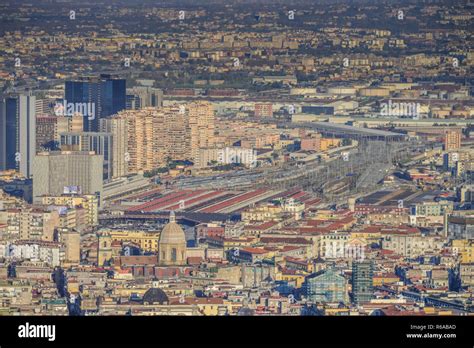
[412, 246]
[35, 251]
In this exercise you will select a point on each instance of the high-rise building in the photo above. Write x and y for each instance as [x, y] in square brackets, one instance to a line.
[18, 133]
[140, 97]
[115, 91]
[67, 124]
[201, 126]
[49, 128]
[362, 281]
[452, 140]
[46, 130]
[157, 135]
[117, 126]
[176, 133]
[100, 143]
[145, 134]
[45, 105]
[65, 172]
[104, 96]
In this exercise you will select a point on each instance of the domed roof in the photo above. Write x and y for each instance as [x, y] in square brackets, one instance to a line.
[155, 295]
[172, 233]
[245, 311]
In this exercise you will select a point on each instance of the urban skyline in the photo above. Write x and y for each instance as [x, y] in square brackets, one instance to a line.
[253, 158]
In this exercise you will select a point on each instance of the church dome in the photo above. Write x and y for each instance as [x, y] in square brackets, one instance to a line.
[172, 233]
[155, 296]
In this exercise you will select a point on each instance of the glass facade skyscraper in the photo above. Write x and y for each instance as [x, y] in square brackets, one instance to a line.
[106, 95]
[18, 133]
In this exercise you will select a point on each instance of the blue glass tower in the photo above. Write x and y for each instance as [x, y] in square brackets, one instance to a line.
[106, 95]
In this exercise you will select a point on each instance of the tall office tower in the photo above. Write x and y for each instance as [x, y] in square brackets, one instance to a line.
[140, 97]
[362, 281]
[18, 133]
[46, 130]
[101, 97]
[120, 156]
[452, 140]
[201, 126]
[59, 172]
[115, 91]
[100, 143]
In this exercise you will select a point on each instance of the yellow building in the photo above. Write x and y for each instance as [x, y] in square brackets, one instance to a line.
[327, 143]
[72, 246]
[262, 213]
[231, 243]
[147, 241]
[104, 249]
[297, 278]
[30, 223]
[465, 249]
[368, 237]
[90, 203]
[382, 279]
[201, 126]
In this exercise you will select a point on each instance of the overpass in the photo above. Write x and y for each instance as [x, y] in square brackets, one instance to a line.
[345, 131]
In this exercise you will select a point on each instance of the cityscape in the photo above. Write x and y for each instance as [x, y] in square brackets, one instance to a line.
[236, 158]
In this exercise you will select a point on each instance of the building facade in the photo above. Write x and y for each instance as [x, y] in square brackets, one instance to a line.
[18, 133]
[325, 286]
[362, 281]
[59, 172]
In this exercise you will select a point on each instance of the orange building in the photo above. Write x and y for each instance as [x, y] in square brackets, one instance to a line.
[263, 110]
[452, 140]
[312, 143]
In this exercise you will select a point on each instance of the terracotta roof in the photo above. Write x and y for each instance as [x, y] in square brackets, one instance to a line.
[253, 250]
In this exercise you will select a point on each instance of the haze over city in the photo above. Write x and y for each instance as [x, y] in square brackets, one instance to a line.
[244, 158]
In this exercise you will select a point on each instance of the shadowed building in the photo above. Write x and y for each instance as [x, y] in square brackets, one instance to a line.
[362, 281]
[155, 296]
